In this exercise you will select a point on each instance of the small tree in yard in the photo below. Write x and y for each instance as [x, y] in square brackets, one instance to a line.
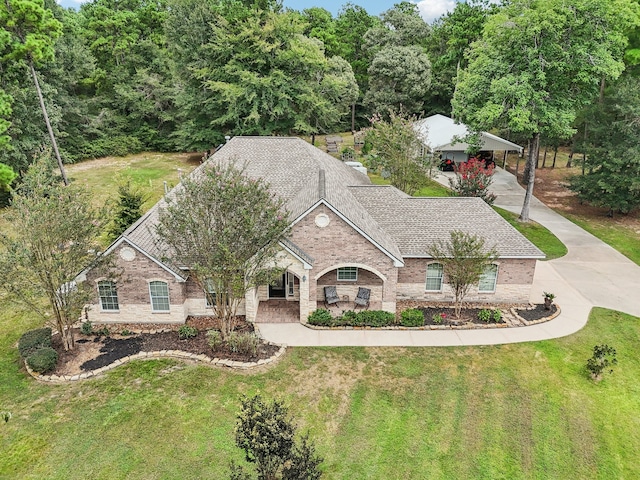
[464, 259]
[128, 208]
[397, 150]
[472, 180]
[225, 228]
[55, 232]
[604, 358]
[267, 436]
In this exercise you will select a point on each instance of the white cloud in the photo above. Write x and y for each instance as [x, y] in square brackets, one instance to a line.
[432, 9]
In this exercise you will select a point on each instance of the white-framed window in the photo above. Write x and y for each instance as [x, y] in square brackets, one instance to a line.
[108, 296]
[210, 296]
[159, 293]
[290, 284]
[435, 274]
[348, 274]
[488, 279]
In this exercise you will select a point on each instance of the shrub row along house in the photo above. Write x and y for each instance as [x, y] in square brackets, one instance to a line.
[345, 232]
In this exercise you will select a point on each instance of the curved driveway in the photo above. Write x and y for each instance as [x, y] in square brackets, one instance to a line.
[591, 274]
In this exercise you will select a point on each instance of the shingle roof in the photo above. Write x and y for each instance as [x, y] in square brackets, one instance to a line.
[415, 223]
[303, 176]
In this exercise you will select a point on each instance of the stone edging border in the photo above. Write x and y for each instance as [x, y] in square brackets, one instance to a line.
[466, 326]
[215, 362]
[535, 322]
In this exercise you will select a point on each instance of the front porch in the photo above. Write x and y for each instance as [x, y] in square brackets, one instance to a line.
[278, 310]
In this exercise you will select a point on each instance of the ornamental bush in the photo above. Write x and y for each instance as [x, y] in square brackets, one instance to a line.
[374, 318]
[185, 332]
[485, 315]
[214, 339]
[604, 358]
[321, 317]
[43, 360]
[472, 180]
[86, 328]
[245, 343]
[412, 317]
[33, 340]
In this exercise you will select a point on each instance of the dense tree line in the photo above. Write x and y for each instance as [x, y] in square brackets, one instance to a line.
[122, 76]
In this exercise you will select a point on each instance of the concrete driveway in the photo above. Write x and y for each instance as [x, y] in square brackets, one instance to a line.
[591, 274]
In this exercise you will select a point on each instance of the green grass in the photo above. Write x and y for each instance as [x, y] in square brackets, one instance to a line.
[145, 170]
[540, 236]
[622, 238]
[431, 189]
[512, 411]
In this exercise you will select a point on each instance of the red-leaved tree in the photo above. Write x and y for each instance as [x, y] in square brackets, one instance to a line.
[472, 180]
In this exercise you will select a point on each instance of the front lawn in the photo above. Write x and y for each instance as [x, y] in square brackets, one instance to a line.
[512, 411]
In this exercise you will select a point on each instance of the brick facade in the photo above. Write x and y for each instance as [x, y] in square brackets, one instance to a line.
[515, 277]
[132, 279]
[340, 245]
[334, 246]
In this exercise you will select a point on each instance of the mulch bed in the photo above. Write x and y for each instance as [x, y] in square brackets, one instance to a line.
[115, 346]
[467, 315]
[537, 313]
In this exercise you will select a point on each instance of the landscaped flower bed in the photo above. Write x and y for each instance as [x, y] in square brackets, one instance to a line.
[109, 344]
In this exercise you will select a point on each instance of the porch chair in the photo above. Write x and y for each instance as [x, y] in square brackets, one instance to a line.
[330, 296]
[362, 298]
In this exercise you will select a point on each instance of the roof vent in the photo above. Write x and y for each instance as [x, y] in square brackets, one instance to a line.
[321, 184]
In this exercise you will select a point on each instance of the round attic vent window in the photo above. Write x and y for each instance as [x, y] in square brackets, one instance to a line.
[127, 254]
[322, 220]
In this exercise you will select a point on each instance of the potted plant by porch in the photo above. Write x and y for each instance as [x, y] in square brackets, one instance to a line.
[548, 300]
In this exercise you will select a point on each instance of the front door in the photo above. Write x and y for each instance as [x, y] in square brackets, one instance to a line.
[277, 288]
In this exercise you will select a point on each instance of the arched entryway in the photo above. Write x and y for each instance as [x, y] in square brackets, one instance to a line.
[348, 278]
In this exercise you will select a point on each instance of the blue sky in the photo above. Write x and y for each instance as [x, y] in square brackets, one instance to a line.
[429, 9]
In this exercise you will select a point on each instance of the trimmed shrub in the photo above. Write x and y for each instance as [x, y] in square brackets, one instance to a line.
[412, 317]
[33, 340]
[496, 315]
[245, 343]
[321, 317]
[186, 331]
[485, 315]
[347, 319]
[43, 360]
[102, 332]
[438, 318]
[375, 318]
[86, 328]
[214, 339]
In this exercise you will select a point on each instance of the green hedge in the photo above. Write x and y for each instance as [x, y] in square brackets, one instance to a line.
[412, 317]
[33, 340]
[43, 360]
[364, 318]
[321, 317]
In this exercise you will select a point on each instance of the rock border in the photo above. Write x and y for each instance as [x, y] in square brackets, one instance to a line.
[179, 354]
[540, 320]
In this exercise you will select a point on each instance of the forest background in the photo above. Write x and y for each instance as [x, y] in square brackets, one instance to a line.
[126, 76]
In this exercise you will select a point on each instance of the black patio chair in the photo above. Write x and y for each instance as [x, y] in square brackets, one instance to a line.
[362, 298]
[330, 296]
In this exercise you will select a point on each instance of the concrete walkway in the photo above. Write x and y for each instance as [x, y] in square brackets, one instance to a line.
[591, 274]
